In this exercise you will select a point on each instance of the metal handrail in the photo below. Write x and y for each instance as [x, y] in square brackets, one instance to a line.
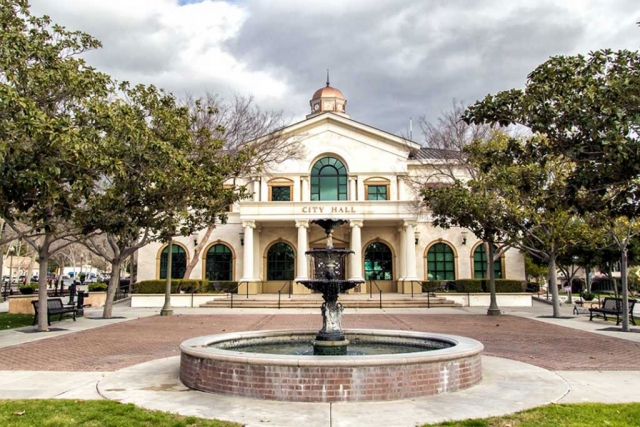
[280, 290]
[422, 286]
[235, 289]
[371, 291]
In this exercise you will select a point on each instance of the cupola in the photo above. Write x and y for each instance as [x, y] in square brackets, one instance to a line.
[328, 99]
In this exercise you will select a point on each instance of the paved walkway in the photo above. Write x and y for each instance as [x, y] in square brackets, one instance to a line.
[531, 359]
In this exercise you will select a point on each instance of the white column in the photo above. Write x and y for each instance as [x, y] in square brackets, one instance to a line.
[256, 189]
[402, 258]
[400, 194]
[356, 247]
[301, 259]
[247, 260]
[306, 194]
[353, 192]
[256, 253]
[410, 246]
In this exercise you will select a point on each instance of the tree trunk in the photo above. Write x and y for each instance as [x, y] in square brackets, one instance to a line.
[625, 290]
[166, 308]
[493, 306]
[43, 255]
[114, 282]
[553, 284]
[196, 253]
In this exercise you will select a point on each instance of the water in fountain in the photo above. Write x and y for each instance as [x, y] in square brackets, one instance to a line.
[328, 261]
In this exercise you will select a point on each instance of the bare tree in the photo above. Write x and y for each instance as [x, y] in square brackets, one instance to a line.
[242, 124]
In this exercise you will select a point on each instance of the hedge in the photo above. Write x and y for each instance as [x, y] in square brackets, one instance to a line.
[97, 287]
[476, 285]
[181, 285]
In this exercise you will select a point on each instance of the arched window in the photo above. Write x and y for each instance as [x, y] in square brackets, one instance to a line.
[178, 262]
[378, 262]
[280, 262]
[219, 263]
[441, 263]
[329, 180]
[480, 264]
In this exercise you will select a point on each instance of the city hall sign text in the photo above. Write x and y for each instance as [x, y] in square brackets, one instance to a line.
[328, 209]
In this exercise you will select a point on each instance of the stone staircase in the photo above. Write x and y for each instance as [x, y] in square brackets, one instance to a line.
[315, 301]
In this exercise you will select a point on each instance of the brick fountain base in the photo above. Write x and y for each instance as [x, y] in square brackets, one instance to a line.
[210, 364]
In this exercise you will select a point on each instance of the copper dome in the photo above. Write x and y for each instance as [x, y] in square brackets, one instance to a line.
[327, 92]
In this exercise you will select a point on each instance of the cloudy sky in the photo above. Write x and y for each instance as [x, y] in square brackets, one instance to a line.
[393, 59]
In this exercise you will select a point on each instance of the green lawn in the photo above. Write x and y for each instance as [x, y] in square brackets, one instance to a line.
[92, 413]
[579, 415]
[8, 321]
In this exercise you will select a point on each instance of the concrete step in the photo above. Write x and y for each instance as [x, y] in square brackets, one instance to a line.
[316, 303]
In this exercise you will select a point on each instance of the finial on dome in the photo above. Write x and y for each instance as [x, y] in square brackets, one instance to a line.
[327, 77]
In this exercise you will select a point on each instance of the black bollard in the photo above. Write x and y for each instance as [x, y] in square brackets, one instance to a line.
[72, 292]
[80, 304]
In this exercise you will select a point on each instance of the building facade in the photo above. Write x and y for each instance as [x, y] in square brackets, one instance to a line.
[350, 171]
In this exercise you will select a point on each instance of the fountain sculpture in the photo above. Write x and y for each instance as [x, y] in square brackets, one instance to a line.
[328, 262]
[379, 364]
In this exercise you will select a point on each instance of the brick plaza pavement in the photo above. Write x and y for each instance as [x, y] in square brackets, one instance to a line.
[117, 346]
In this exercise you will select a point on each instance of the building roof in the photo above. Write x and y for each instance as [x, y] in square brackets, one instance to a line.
[427, 153]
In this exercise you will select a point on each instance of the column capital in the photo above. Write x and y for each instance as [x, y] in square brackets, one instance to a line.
[411, 223]
[356, 223]
[302, 223]
[304, 177]
[353, 177]
[248, 224]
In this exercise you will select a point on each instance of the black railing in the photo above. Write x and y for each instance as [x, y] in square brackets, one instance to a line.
[230, 292]
[429, 288]
[371, 291]
[280, 291]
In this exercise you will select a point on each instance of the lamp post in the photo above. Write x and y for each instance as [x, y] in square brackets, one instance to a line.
[11, 249]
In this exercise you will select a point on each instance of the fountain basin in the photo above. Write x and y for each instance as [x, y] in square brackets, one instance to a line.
[211, 364]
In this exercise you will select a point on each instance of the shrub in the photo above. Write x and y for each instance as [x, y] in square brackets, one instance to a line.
[588, 296]
[431, 285]
[482, 285]
[469, 285]
[97, 287]
[177, 286]
[28, 289]
[225, 286]
[506, 285]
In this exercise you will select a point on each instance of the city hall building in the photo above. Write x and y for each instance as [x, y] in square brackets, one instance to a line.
[351, 171]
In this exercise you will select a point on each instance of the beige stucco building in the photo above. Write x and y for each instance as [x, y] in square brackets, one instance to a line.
[351, 171]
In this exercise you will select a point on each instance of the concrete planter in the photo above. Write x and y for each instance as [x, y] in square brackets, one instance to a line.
[482, 299]
[177, 300]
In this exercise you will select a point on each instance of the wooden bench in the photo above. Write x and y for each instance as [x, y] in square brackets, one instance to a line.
[54, 306]
[612, 306]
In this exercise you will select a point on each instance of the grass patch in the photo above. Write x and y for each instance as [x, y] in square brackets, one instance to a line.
[92, 413]
[578, 415]
[9, 321]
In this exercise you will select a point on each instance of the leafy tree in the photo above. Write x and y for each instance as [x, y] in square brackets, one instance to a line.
[47, 154]
[167, 177]
[473, 204]
[588, 108]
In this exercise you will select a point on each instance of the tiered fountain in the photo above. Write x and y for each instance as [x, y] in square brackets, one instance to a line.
[333, 364]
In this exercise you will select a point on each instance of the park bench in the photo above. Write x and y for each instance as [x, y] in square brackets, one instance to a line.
[54, 306]
[612, 306]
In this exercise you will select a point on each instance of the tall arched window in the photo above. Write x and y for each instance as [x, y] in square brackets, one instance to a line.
[329, 180]
[178, 262]
[219, 263]
[480, 264]
[280, 262]
[441, 264]
[378, 262]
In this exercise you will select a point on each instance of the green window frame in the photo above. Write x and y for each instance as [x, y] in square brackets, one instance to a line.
[378, 262]
[377, 192]
[441, 264]
[328, 180]
[281, 193]
[178, 262]
[480, 263]
[280, 262]
[219, 263]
